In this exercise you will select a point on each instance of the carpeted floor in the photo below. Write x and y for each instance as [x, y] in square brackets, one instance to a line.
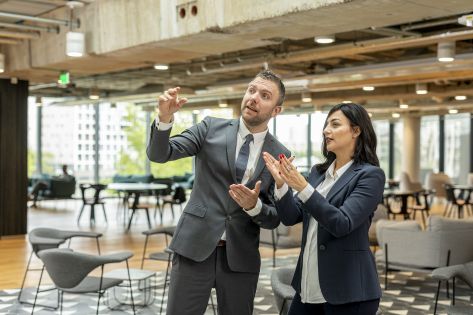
[408, 294]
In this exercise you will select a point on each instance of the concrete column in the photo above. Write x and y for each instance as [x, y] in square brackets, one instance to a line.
[411, 147]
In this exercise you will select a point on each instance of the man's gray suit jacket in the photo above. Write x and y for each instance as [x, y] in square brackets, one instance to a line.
[210, 210]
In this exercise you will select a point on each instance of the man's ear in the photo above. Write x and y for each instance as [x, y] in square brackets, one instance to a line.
[277, 110]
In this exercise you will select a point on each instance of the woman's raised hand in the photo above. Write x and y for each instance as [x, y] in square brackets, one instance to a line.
[273, 167]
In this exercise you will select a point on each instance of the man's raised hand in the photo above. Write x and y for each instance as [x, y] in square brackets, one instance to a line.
[169, 103]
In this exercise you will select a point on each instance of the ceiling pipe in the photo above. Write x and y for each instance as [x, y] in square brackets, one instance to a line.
[29, 27]
[429, 24]
[369, 46]
[10, 15]
[21, 35]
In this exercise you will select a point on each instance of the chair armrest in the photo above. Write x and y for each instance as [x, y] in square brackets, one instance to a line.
[114, 258]
[85, 234]
[446, 273]
[169, 230]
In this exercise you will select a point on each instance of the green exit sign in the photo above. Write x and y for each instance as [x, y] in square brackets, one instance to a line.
[64, 78]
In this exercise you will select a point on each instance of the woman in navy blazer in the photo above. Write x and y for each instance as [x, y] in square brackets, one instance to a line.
[336, 271]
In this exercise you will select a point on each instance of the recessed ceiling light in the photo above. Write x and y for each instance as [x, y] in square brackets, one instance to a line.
[370, 114]
[396, 115]
[421, 88]
[161, 66]
[368, 88]
[222, 104]
[328, 39]
[403, 106]
[453, 111]
[460, 97]
[446, 51]
[306, 97]
[347, 102]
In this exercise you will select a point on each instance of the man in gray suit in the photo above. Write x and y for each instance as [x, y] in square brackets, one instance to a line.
[217, 237]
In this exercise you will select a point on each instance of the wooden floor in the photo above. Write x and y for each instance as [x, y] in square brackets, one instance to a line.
[15, 250]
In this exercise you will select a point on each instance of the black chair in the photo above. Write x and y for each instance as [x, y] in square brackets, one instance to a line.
[136, 205]
[455, 202]
[92, 202]
[423, 204]
[178, 197]
[48, 238]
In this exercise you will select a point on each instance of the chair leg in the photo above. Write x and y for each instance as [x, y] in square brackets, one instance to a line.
[98, 244]
[131, 218]
[282, 306]
[453, 291]
[144, 252]
[437, 298]
[147, 217]
[80, 213]
[61, 301]
[386, 267]
[172, 210]
[104, 213]
[165, 284]
[24, 277]
[37, 290]
[131, 290]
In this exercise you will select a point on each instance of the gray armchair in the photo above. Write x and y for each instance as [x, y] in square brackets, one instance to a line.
[69, 271]
[47, 238]
[282, 289]
[282, 237]
[405, 246]
[463, 272]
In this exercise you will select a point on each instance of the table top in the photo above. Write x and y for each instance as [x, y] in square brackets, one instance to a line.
[397, 192]
[136, 186]
[135, 274]
[463, 187]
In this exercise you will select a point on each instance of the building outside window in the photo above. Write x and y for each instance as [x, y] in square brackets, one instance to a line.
[429, 146]
[457, 147]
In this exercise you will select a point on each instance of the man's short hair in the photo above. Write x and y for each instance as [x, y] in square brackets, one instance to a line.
[271, 76]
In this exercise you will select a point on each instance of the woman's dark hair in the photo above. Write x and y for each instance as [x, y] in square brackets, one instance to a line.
[365, 148]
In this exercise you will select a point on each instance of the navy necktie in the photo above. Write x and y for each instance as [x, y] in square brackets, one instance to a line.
[242, 159]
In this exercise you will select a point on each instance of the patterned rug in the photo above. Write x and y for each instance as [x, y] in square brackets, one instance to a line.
[409, 294]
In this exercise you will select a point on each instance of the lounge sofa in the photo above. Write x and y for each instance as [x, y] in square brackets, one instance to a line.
[405, 246]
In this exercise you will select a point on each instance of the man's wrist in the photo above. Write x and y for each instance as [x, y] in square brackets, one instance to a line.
[165, 118]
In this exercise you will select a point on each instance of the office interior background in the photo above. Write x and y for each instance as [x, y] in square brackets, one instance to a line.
[79, 82]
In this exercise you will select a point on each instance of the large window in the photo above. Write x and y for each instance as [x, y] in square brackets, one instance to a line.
[429, 145]
[381, 128]
[291, 130]
[318, 120]
[457, 147]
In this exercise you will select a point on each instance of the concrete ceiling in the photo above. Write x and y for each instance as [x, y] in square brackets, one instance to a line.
[218, 46]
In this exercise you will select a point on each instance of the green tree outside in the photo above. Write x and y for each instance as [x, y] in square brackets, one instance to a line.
[133, 160]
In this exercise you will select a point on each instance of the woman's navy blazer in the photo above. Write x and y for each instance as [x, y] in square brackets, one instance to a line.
[347, 269]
